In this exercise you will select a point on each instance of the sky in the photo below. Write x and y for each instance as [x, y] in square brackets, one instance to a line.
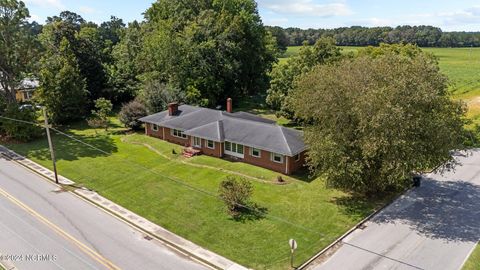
[450, 15]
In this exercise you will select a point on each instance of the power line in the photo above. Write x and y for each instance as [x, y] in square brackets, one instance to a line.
[22, 121]
[383, 256]
[168, 177]
[323, 235]
[185, 184]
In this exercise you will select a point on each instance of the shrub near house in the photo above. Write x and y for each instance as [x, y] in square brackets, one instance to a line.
[241, 136]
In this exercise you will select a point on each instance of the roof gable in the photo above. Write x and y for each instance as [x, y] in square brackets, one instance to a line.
[243, 128]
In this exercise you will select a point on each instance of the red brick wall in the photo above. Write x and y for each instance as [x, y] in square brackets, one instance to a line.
[217, 152]
[150, 132]
[170, 138]
[296, 165]
[263, 161]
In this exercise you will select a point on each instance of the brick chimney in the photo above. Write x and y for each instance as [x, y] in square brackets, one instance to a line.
[172, 108]
[229, 105]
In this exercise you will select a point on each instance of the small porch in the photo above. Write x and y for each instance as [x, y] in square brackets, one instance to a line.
[189, 152]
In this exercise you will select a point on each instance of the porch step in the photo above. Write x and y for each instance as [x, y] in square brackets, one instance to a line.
[190, 152]
[188, 155]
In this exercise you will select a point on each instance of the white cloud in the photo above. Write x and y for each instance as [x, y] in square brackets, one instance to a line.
[306, 8]
[464, 19]
[34, 17]
[372, 22]
[56, 4]
[275, 21]
[87, 10]
[459, 17]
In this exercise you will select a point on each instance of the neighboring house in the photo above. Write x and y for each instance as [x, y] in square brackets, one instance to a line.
[25, 89]
[241, 136]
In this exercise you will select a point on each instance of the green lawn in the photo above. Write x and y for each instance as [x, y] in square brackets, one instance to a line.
[473, 262]
[170, 191]
[256, 105]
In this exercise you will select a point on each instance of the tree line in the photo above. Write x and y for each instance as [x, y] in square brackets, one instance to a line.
[197, 51]
[423, 36]
[370, 119]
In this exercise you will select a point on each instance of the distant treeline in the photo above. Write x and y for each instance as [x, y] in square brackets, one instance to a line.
[423, 36]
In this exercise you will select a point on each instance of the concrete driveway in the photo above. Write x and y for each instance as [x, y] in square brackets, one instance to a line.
[435, 226]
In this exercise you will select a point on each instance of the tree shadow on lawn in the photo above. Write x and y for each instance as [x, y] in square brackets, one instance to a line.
[357, 205]
[69, 149]
[303, 175]
[251, 213]
[448, 210]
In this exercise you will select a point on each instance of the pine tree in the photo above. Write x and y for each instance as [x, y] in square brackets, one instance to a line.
[62, 89]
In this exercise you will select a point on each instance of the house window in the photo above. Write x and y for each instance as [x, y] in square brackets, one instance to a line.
[154, 127]
[234, 149]
[211, 144]
[276, 158]
[240, 149]
[27, 95]
[254, 152]
[228, 146]
[178, 133]
[297, 157]
[197, 142]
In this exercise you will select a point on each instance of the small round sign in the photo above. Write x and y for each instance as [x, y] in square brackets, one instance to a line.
[293, 244]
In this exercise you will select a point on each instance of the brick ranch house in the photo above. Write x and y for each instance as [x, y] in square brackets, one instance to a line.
[240, 136]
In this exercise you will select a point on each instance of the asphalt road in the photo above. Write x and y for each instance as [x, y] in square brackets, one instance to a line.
[435, 226]
[41, 228]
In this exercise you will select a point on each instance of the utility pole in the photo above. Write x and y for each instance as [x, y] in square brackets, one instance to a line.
[50, 144]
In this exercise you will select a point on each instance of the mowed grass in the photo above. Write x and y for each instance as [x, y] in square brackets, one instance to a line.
[461, 65]
[165, 188]
[473, 262]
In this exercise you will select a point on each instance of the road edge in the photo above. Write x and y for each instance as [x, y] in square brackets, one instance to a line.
[7, 265]
[200, 254]
[350, 231]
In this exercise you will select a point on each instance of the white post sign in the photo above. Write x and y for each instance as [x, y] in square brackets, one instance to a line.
[293, 246]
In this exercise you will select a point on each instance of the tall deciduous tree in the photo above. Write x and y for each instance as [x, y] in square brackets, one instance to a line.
[88, 47]
[62, 88]
[375, 120]
[210, 49]
[124, 71]
[16, 46]
[283, 75]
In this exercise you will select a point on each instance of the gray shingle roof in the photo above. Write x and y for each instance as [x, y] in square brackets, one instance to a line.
[27, 84]
[241, 127]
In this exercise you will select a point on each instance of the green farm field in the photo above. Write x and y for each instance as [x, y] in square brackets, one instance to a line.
[461, 65]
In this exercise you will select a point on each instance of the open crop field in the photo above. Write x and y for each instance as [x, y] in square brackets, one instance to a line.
[461, 65]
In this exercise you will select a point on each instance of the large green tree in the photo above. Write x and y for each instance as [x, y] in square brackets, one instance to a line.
[372, 121]
[62, 87]
[17, 50]
[284, 75]
[88, 46]
[124, 70]
[209, 48]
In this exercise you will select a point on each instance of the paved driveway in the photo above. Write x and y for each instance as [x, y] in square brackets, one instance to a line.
[434, 226]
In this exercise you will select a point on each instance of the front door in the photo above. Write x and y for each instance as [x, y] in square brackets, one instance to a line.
[197, 142]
